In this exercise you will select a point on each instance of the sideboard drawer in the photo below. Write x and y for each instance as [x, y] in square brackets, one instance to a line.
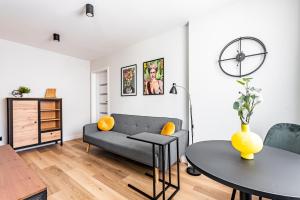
[49, 136]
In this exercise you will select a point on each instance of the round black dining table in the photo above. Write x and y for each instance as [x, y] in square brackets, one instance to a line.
[273, 173]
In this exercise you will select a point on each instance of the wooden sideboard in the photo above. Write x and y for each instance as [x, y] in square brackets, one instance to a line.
[33, 121]
[17, 180]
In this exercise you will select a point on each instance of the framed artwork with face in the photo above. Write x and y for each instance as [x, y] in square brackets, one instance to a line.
[153, 77]
[128, 81]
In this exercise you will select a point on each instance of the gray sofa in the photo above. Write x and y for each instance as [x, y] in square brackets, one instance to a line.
[116, 140]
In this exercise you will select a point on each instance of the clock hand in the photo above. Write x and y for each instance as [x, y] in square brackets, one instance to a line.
[240, 51]
[240, 45]
[256, 54]
[228, 59]
[245, 56]
[240, 61]
[240, 64]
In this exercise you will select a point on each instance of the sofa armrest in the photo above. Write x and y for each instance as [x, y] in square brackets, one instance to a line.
[182, 136]
[90, 128]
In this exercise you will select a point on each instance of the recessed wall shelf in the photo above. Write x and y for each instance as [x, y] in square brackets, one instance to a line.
[100, 92]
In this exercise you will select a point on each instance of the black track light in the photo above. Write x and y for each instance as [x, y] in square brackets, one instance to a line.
[56, 37]
[89, 10]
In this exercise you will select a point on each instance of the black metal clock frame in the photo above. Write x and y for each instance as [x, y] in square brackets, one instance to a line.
[241, 56]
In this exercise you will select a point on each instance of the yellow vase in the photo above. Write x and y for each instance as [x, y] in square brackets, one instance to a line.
[246, 142]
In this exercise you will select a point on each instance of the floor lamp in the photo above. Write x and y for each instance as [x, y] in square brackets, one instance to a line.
[190, 170]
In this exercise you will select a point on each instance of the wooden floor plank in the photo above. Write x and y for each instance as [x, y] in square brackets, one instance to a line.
[72, 174]
[93, 186]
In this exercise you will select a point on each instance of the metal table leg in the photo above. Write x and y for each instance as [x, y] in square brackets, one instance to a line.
[178, 174]
[177, 188]
[163, 173]
[153, 179]
[163, 180]
[245, 196]
[169, 164]
[153, 170]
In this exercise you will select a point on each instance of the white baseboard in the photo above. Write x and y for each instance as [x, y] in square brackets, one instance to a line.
[183, 159]
[72, 137]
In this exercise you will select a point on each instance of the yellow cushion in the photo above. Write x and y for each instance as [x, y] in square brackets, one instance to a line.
[168, 129]
[106, 123]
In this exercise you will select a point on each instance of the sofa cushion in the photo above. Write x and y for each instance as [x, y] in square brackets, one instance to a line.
[133, 124]
[168, 129]
[106, 123]
[118, 143]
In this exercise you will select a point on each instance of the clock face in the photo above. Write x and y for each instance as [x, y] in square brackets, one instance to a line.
[242, 56]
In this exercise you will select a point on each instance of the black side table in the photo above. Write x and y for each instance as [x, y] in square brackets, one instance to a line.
[161, 141]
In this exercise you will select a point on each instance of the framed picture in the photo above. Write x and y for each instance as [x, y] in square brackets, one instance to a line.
[153, 77]
[128, 80]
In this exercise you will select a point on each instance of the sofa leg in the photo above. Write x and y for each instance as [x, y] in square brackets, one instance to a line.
[156, 175]
[88, 148]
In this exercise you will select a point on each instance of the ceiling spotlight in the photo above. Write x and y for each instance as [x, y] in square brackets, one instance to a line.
[89, 10]
[56, 37]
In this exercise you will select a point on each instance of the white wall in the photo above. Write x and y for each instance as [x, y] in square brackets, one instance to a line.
[41, 69]
[276, 23]
[172, 46]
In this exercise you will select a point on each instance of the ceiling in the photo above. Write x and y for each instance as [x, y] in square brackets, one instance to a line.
[116, 25]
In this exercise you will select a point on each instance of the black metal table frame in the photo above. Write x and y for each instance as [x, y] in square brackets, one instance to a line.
[243, 195]
[164, 182]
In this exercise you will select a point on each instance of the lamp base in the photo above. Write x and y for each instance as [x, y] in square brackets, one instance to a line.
[192, 171]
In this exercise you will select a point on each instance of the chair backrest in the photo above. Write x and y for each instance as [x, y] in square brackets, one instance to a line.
[284, 136]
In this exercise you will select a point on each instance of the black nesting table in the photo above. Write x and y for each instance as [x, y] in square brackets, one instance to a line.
[163, 142]
[274, 173]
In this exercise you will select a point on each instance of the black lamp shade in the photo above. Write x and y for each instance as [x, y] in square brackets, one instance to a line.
[56, 37]
[89, 10]
[173, 89]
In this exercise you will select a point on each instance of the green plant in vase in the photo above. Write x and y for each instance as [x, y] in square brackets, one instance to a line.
[24, 90]
[245, 141]
[248, 100]
[20, 91]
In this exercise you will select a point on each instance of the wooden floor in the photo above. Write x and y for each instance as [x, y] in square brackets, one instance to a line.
[72, 174]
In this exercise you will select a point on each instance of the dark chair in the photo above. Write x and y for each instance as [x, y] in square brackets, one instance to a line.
[283, 136]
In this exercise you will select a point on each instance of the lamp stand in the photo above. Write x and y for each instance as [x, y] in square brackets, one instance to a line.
[191, 170]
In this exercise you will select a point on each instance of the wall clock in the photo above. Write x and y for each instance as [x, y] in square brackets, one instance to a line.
[242, 56]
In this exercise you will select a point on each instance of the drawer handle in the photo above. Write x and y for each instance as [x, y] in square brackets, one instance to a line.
[51, 133]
